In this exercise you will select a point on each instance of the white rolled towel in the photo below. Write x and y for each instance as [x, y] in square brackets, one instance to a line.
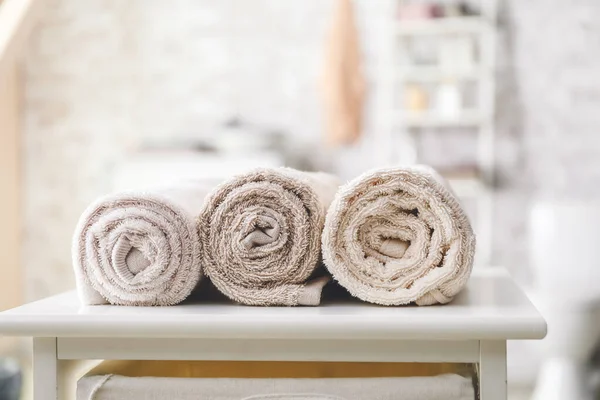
[397, 236]
[139, 248]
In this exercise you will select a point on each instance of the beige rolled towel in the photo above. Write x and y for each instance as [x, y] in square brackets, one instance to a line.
[397, 236]
[139, 248]
[261, 236]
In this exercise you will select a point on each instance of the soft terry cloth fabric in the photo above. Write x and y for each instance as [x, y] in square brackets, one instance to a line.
[139, 248]
[260, 235]
[396, 236]
[115, 387]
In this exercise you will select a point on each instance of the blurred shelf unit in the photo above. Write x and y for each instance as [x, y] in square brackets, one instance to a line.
[466, 118]
[443, 26]
[436, 74]
[440, 77]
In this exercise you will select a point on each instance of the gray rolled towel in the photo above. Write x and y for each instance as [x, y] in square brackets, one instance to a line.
[261, 236]
[139, 248]
[396, 236]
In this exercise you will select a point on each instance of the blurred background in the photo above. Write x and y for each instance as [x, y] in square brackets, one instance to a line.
[502, 96]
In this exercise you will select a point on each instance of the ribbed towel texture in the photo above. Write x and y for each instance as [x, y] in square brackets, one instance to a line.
[396, 236]
[139, 248]
[261, 236]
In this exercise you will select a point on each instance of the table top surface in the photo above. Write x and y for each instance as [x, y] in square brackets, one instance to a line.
[492, 307]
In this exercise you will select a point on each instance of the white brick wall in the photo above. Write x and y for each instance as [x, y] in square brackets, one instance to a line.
[549, 95]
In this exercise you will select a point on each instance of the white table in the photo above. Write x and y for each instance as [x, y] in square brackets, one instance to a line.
[473, 328]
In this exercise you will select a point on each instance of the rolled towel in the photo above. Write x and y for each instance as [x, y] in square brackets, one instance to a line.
[396, 236]
[139, 248]
[261, 236]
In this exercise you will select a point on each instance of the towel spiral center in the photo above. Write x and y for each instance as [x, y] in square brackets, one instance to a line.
[136, 261]
[393, 247]
[260, 230]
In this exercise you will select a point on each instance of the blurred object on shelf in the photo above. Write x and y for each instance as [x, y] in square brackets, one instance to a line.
[448, 102]
[11, 379]
[413, 10]
[237, 136]
[415, 98]
[344, 85]
[150, 168]
[457, 54]
[231, 136]
[214, 154]
[458, 9]
[419, 11]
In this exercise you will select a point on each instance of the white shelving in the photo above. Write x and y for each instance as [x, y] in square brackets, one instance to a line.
[434, 120]
[436, 74]
[402, 126]
[443, 26]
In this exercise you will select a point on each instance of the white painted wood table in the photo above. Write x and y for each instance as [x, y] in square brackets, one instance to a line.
[473, 328]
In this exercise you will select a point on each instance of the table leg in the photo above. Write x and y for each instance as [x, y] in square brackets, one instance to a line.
[492, 369]
[45, 369]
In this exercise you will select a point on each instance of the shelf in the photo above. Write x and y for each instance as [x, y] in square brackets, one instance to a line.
[431, 120]
[435, 73]
[491, 307]
[442, 26]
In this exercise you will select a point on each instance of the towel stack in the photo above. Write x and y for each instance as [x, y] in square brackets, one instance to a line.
[392, 236]
[258, 380]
